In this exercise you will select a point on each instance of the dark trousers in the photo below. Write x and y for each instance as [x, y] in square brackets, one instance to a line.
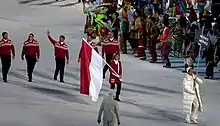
[153, 53]
[60, 65]
[165, 54]
[134, 43]
[6, 64]
[31, 62]
[108, 59]
[118, 91]
[124, 43]
[167, 60]
[209, 68]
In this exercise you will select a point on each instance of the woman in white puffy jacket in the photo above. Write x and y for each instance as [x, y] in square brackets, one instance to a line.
[191, 97]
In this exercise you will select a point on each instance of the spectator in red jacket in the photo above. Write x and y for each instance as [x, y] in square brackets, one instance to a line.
[109, 48]
[116, 74]
[165, 49]
[61, 55]
[31, 51]
[6, 49]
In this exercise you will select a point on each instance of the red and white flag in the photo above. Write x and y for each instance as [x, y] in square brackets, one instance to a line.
[91, 74]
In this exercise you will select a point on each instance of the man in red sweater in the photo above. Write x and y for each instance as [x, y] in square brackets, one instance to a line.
[31, 51]
[61, 55]
[6, 49]
[109, 48]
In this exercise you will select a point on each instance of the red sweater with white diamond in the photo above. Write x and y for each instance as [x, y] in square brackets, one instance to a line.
[61, 50]
[6, 47]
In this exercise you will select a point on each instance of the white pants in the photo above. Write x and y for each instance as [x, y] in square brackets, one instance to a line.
[108, 123]
[188, 61]
[194, 110]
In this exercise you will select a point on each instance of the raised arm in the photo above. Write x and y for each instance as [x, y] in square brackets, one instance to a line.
[51, 38]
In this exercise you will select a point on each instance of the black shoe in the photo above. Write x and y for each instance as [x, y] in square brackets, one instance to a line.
[143, 58]
[124, 52]
[206, 77]
[5, 81]
[153, 61]
[62, 81]
[167, 66]
[55, 78]
[29, 80]
[184, 71]
[117, 99]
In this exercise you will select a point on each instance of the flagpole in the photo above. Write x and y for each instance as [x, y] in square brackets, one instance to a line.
[200, 49]
[102, 59]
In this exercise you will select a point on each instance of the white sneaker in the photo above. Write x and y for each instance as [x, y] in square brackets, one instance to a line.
[194, 121]
[188, 121]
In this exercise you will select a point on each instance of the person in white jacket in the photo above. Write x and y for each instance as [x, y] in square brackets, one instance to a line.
[110, 109]
[191, 97]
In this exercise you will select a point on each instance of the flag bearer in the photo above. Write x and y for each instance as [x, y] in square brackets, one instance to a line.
[61, 55]
[31, 51]
[6, 49]
[116, 74]
[109, 48]
[192, 103]
[93, 45]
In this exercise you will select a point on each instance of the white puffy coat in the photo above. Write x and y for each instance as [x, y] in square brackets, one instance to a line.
[190, 92]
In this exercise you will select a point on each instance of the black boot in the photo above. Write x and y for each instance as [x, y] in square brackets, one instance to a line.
[117, 97]
[167, 66]
[5, 78]
[29, 78]
[186, 66]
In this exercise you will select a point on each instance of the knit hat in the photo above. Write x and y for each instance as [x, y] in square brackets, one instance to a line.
[111, 92]
[188, 69]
